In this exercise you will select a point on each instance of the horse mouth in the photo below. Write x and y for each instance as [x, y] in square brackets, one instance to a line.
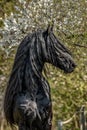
[68, 71]
[71, 69]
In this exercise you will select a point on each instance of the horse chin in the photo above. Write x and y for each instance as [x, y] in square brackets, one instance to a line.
[68, 70]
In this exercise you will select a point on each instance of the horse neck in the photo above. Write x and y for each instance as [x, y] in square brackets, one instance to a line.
[36, 67]
[33, 71]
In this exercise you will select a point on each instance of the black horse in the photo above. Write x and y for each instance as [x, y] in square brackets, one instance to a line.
[27, 100]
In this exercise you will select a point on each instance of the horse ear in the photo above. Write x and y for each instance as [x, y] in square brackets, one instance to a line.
[49, 28]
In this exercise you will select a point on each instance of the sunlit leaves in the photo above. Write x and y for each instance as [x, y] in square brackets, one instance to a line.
[69, 91]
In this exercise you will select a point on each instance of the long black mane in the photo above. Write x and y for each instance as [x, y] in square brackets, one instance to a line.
[24, 70]
[35, 49]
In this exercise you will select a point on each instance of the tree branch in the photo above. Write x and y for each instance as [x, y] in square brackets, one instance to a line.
[80, 45]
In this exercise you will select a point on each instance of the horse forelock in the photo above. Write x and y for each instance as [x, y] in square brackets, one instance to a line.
[58, 43]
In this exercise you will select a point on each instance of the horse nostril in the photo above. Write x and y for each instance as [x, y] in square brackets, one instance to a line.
[74, 65]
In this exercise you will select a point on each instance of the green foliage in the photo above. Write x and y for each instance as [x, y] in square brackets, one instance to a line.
[7, 6]
[68, 90]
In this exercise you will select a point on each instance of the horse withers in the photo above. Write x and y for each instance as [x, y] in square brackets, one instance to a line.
[27, 102]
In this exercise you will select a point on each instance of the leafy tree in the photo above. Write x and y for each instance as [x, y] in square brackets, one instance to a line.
[68, 91]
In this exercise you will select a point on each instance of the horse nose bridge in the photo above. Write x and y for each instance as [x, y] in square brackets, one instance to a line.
[69, 57]
[69, 61]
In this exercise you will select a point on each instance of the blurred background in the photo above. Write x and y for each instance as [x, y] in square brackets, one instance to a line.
[17, 19]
